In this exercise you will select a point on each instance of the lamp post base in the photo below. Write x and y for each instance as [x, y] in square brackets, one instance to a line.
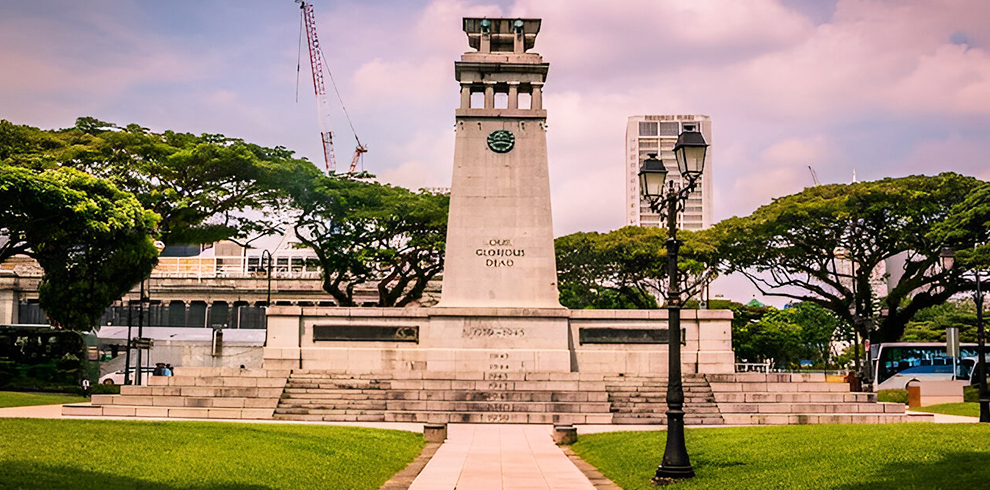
[676, 465]
[668, 475]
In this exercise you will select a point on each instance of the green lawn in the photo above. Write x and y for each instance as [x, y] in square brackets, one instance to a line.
[842, 457]
[98, 454]
[968, 409]
[17, 399]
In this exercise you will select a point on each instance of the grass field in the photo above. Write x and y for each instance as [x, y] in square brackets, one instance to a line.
[17, 399]
[841, 457]
[968, 409]
[98, 454]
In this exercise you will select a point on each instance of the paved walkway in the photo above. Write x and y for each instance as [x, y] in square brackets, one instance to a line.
[497, 457]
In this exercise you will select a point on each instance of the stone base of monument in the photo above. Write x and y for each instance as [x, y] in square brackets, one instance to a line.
[492, 341]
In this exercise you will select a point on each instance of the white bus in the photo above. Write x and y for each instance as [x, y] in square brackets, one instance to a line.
[896, 363]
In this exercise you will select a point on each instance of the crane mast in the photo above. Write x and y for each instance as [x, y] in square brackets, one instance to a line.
[316, 68]
[317, 65]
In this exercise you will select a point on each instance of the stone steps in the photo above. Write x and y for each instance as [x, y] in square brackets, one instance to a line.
[643, 400]
[498, 417]
[498, 396]
[203, 393]
[796, 398]
[446, 397]
[697, 419]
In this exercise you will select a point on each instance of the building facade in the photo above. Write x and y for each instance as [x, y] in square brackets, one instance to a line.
[657, 134]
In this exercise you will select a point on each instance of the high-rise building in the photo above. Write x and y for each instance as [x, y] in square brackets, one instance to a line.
[657, 134]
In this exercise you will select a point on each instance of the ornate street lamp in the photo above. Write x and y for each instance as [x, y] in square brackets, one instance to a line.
[690, 151]
[947, 260]
[981, 351]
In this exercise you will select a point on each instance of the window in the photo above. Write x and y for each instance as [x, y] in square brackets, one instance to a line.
[670, 128]
[648, 129]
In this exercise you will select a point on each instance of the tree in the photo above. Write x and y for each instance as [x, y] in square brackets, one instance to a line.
[929, 324]
[365, 232]
[626, 268]
[819, 327]
[205, 188]
[823, 245]
[774, 336]
[966, 230]
[91, 239]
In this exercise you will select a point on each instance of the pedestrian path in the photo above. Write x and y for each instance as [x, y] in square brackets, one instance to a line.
[500, 457]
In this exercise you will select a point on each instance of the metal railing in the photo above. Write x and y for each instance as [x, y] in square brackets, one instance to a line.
[212, 267]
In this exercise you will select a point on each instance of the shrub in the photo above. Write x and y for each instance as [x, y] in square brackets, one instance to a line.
[102, 389]
[892, 396]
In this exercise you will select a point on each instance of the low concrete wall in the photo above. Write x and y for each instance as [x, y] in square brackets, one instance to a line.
[193, 347]
[491, 340]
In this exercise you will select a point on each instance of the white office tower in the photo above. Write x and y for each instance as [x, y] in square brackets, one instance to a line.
[657, 134]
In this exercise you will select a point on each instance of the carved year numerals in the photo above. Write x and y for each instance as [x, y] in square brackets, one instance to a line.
[496, 417]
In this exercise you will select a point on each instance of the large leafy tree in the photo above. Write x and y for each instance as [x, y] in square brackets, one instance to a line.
[823, 245]
[627, 268]
[205, 188]
[929, 325]
[801, 331]
[368, 233]
[966, 230]
[91, 239]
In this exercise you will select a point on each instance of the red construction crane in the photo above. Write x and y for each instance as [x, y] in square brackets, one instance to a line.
[317, 64]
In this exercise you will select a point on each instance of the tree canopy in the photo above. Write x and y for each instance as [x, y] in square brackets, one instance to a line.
[91, 239]
[627, 268]
[823, 245]
[364, 232]
[205, 188]
[784, 337]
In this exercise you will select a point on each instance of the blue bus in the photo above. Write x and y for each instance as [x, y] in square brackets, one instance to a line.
[896, 363]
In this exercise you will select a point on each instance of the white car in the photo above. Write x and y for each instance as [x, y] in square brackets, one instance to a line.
[117, 377]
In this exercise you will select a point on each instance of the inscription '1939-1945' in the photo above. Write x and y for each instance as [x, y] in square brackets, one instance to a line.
[474, 332]
[500, 257]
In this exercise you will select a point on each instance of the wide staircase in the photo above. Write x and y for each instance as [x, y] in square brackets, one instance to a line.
[493, 397]
[794, 398]
[643, 400]
[543, 398]
[196, 393]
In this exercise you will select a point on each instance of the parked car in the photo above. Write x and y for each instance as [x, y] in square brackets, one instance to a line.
[117, 377]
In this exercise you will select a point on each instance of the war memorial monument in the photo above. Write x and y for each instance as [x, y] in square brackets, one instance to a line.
[498, 347]
[499, 310]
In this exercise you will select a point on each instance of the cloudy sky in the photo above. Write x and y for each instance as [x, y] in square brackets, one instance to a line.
[876, 87]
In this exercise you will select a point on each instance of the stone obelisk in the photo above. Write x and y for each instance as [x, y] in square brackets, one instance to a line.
[500, 237]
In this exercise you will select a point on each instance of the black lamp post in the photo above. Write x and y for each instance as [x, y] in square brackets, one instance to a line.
[947, 259]
[981, 351]
[690, 151]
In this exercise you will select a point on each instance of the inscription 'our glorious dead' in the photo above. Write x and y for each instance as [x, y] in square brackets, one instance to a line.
[499, 253]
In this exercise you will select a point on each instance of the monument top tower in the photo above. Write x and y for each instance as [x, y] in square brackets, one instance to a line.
[500, 236]
[501, 35]
[510, 78]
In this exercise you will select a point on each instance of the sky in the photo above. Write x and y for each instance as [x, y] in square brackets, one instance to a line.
[879, 88]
